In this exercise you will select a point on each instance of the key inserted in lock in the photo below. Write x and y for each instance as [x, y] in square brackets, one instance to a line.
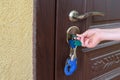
[71, 62]
[73, 30]
[71, 36]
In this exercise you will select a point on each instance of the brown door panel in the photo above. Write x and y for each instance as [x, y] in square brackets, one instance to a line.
[52, 21]
[102, 60]
[99, 63]
[109, 7]
[116, 78]
[62, 49]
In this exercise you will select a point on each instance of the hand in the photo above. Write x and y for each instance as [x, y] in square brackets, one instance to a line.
[90, 38]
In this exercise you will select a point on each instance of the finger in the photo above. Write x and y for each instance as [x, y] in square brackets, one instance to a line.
[79, 38]
[88, 33]
[86, 43]
[79, 35]
[85, 33]
[82, 41]
[92, 42]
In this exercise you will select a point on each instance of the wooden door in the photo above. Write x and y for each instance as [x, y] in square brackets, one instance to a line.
[44, 32]
[99, 63]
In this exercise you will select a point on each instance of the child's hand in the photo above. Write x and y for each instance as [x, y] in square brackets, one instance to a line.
[90, 38]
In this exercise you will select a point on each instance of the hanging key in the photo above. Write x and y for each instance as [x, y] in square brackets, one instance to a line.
[71, 63]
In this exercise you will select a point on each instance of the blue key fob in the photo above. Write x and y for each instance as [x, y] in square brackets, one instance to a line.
[74, 43]
[71, 43]
[70, 66]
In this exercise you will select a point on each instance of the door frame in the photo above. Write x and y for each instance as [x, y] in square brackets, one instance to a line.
[44, 40]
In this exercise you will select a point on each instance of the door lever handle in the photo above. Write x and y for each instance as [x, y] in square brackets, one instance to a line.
[75, 16]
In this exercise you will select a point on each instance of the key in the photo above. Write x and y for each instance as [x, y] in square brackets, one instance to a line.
[73, 53]
[70, 67]
[77, 43]
[74, 43]
[71, 43]
[71, 63]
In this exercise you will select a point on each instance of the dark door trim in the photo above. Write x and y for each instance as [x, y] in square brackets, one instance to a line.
[44, 33]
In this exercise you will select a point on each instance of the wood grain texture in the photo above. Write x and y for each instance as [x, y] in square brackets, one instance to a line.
[45, 26]
[62, 48]
[109, 8]
[16, 39]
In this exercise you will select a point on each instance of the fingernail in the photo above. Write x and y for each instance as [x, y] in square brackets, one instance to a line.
[77, 34]
[78, 38]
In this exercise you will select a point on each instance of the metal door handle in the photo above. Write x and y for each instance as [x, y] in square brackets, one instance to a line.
[75, 16]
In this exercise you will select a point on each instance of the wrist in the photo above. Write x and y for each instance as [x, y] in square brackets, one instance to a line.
[109, 34]
[102, 34]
